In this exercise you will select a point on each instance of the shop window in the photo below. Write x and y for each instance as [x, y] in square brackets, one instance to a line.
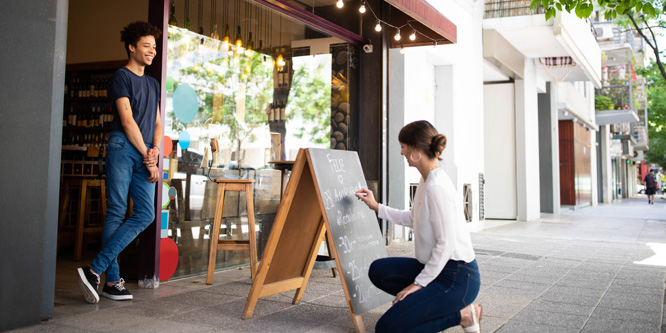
[257, 112]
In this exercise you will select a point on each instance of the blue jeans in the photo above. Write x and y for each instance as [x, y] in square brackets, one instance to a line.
[125, 173]
[431, 309]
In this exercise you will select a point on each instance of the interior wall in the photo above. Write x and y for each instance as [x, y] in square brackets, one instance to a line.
[33, 75]
[93, 32]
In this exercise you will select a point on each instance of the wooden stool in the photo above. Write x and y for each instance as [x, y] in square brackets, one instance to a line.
[83, 211]
[224, 185]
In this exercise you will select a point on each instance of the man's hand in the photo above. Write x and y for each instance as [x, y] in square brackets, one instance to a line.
[151, 156]
[154, 174]
[405, 292]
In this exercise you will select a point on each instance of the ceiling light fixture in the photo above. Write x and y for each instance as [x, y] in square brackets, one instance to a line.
[340, 4]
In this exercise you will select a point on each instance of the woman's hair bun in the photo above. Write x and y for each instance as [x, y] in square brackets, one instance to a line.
[437, 145]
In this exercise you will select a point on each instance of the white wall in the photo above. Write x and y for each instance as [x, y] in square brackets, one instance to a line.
[459, 101]
[443, 85]
[500, 151]
[527, 145]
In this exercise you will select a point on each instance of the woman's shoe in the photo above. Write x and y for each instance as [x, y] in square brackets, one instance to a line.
[477, 320]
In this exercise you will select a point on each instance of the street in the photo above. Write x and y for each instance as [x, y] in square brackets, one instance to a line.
[594, 269]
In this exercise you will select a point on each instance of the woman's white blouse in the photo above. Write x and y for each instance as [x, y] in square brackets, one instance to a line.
[439, 227]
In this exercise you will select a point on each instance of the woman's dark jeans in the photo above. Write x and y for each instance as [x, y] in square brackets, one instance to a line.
[431, 309]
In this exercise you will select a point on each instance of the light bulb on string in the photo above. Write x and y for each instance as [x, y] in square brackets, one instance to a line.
[248, 50]
[413, 35]
[397, 35]
[226, 40]
[434, 44]
[340, 4]
[239, 41]
[280, 62]
[378, 27]
[362, 8]
[402, 49]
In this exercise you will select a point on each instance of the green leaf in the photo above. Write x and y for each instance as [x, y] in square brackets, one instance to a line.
[639, 6]
[535, 4]
[580, 10]
[559, 6]
[544, 3]
[550, 13]
[588, 11]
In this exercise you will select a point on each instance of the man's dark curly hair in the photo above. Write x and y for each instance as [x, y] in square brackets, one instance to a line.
[131, 34]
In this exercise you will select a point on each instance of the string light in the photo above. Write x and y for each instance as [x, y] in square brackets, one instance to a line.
[380, 23]
[402, 48]
[226, 40]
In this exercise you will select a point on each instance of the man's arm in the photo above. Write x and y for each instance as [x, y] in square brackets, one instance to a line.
[154, 153]
[129, 125]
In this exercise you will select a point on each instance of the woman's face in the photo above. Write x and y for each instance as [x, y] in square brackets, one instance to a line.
[406, 151]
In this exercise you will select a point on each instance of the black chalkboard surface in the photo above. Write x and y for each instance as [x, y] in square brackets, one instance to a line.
[319, 204]
[353, 226]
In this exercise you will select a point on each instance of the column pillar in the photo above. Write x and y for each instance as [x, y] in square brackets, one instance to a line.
[527, 145]
[549, 151]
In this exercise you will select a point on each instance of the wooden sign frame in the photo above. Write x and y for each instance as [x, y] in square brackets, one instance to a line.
[294, 241]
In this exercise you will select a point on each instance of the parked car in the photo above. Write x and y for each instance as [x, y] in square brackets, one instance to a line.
[640, 188]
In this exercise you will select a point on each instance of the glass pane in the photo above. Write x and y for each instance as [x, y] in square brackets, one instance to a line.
[257, 114]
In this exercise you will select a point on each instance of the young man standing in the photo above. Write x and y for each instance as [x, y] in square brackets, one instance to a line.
[131, 160]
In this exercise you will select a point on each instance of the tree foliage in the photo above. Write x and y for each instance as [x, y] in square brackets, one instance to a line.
[612, 8]
[656, 86]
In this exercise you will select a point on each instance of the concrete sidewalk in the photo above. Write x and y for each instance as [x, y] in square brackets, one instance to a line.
[595, 269]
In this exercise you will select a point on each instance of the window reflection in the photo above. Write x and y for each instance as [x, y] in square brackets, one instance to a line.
[257, 115]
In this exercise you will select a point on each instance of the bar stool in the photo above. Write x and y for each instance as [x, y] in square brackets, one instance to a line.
[80, 228]
[223, 186]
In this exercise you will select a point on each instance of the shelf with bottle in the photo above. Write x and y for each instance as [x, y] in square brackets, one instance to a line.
[282, 77]
[97, 116]
[89, 142]
[94, 87]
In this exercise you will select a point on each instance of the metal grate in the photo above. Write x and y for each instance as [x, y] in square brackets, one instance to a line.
[508, 8]
[412, 193]
[468, 202]
[482, 197]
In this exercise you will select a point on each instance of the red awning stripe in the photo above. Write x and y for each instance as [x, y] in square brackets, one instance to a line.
[427, 15]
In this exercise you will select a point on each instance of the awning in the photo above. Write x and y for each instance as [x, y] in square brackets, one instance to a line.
[426, 19]
[615, 117]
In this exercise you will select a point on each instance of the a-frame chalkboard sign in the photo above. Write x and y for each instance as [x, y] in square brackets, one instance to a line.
[319, 201]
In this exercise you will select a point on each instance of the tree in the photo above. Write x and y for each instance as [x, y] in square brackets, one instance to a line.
[640, 15]
[656, 115]
[611, 8]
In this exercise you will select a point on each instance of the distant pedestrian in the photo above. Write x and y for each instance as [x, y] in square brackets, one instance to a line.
[436, 290]
[650, 186]
[131, 161]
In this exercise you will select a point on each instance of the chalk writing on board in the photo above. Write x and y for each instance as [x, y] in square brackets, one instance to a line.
[354, 227]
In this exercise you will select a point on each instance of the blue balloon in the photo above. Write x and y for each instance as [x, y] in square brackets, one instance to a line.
[185, 103]
[184, 140]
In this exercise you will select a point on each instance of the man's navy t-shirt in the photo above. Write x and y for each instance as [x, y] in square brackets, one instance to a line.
[144, 96]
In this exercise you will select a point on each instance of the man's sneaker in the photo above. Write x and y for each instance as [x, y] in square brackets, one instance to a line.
[117, 291]
[88, 281]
